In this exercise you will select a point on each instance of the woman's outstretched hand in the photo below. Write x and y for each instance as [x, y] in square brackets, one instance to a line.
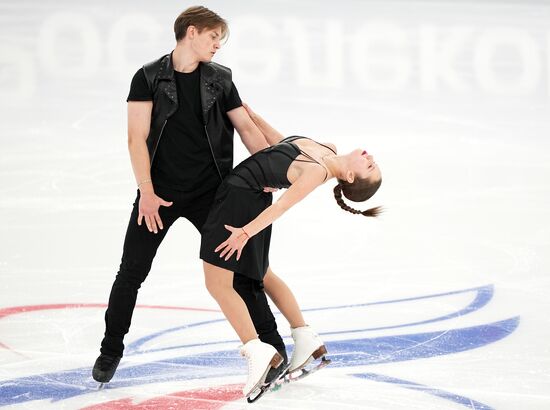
[236, 242]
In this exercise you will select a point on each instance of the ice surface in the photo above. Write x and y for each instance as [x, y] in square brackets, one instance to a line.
[441, 303]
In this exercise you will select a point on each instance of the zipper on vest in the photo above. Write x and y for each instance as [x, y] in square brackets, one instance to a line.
[212, 152]
[158, 140]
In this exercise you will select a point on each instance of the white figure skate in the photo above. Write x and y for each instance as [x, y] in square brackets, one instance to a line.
[308, 347]
[261, 357]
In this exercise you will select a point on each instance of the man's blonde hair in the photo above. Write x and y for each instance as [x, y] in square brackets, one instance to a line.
[201, 18]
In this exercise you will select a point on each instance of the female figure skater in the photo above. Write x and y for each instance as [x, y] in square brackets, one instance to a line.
[246, 211]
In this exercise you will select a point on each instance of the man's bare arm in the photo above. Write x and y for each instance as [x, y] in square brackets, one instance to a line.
[251, 136]
[139, 123]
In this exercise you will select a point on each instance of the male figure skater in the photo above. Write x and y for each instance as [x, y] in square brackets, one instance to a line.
[182, 111]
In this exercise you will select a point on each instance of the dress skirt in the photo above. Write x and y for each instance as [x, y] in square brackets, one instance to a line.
[237, 206]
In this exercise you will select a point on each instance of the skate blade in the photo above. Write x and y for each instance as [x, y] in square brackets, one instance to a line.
[305, 371]
[275, 385]
[287, 377]
[255, 395]
[101, 386]
[261, 387]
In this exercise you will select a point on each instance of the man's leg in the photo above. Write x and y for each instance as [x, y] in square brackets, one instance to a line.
[140, 247]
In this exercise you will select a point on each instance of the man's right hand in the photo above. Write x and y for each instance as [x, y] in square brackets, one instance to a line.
[149, 205]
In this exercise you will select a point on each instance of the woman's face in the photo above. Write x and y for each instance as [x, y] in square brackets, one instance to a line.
[363, 166]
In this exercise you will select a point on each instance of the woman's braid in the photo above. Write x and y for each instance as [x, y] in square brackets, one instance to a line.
[373, 212]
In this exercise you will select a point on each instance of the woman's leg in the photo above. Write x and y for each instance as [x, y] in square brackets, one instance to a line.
[307, 344]
[219, 283]
[253, 294]
[284, 299]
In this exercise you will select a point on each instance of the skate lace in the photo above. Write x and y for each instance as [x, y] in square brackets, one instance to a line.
[248, 361]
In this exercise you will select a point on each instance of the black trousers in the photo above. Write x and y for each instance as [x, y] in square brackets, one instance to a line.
[140, 248]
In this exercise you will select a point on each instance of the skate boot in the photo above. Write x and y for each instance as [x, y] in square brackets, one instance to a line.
[261, 357]
[308, 347]
[105, 368]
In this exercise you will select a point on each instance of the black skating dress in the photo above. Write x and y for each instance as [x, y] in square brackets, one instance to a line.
[240, 198]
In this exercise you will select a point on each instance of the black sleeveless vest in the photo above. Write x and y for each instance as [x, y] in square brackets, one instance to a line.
[215, 82]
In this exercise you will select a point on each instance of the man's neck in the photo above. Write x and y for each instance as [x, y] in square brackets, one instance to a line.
[184, 59]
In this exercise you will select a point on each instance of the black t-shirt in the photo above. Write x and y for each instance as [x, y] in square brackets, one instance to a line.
[183, 160]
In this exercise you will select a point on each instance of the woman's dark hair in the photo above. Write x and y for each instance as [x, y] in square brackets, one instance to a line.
[201, 18]
[357, 191]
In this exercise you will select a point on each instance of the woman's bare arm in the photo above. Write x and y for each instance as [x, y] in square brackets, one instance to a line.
[304, 185]
[271, 134]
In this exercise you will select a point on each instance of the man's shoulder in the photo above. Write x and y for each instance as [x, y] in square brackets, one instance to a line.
[154, 66]
[217, 73]
[223, 70]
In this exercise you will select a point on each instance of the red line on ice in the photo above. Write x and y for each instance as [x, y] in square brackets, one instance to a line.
[212, 398]
[33, 308]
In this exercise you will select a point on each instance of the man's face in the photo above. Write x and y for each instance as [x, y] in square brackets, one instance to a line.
[206, 43]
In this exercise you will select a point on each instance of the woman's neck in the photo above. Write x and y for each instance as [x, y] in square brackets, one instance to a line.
[334, 165]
